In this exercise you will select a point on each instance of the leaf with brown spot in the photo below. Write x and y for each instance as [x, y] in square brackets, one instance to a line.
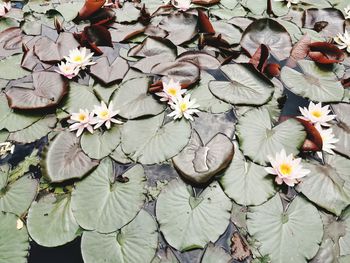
[325, 53]
[259, 59]
[47, 90]
[240, 249]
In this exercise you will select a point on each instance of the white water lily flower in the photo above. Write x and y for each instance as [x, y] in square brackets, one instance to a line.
[69, 70]
[4, 8]
[289, 2]
[183, 5]
[328, 139]
[19, 224]
[6, 148]
[287, 168]
[105, 115]
[347, 12]
[343, 41]
[170, 91]
[81, 121]
[317, 114]
[79, 58]
[183, 107]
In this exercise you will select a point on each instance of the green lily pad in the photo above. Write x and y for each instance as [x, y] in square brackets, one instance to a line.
[35, 131]
[246, 182]
[341, 130]
[14, 243]
[128, 13]
[134, 243]
[66, 160]
[328, 185]
[150, 141]
[112, 204]
[10, 68]
[245, 85]
[101, 143]
[12, 120]
[133, 101]
[188, 221]
[16, 197]
[51, 221]
[69, 10]
[259, 139]
[287, 236]
[206, 100]
[313, 82]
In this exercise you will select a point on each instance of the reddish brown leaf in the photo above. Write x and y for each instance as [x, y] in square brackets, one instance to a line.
[103, 16]
[313, 140]
[346, 83]
[204, 23]
[94, 36]
[90, 7]
[205, 2]
[272, 70]
[240, 249]
[259, 59]
[299, 51]
[325, 53]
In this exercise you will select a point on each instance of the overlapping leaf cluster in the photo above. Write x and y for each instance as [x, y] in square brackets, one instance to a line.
[155, 189]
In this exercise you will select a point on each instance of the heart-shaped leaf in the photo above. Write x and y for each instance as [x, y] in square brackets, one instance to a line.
[313, 82]
[16, 197]
[150, 141]
[328, 185]
[244, 85]
[113, 204]
[185, 227]
[48, 90]
[55, 213]
[199, 162]
[291, 235]
[14, 243]
[259, 139]
[136, 242]
[246, 182]
[66, 160]
[133, 101]
[270, 33]
[108, 73]
[101, 143]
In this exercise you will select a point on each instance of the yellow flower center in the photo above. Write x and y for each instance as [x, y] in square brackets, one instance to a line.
[104, 114]
[316, 113]
[183, 106]
[78, 58]
[82, 117]
[286, 169]
[172, 91]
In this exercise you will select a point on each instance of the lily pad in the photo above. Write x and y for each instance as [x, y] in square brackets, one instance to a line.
[206, 100]
[55, 213]
[244, 85]
[286, 236]
[258, 138]
[128, 13]
[215, 254]
[134, 243]
[12, 120]
[14, 243]
[342, 128]
[328, 185]
[199, 162]
[246, 182]
[270, 33]
[188, 221]
[48, 90]
[313, 82]
[151, 141]
[16, 197]
[133, 101]
[101, 143]
[113, 203]
[10, 68]
[66, 160]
